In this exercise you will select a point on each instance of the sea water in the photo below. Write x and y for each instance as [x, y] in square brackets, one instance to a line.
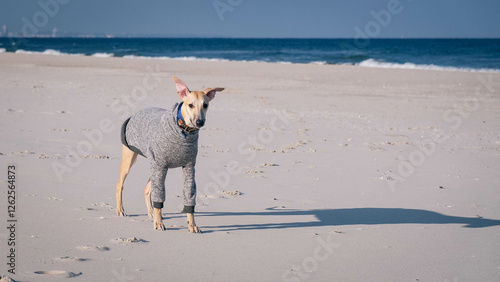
[437, 54]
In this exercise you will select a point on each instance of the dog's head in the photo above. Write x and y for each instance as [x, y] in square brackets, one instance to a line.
[195, 106]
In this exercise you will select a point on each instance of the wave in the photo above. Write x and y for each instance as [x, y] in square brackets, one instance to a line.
[319, 63]
[54, 52]
[103, 55]
[371, 63]
[3, 50]
[186, 58]
[109, 55]
[47, 52]
[20, 51]
[192, 58]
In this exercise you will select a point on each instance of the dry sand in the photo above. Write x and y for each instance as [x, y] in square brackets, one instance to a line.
[304, 173]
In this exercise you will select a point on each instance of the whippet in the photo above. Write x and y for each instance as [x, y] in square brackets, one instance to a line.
[168, 139]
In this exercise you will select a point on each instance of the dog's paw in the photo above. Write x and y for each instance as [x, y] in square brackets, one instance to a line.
[191, 225]
[158, 220]
[120, 212]
[159, 226]
[194, 229]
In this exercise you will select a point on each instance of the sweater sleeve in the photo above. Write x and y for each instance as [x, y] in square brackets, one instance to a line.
[158, 175]
[189, 187]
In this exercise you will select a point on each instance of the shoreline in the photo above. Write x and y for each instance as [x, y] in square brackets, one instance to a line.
[369, 63]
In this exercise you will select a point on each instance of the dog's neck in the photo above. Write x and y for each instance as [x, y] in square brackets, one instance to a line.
[182, 123]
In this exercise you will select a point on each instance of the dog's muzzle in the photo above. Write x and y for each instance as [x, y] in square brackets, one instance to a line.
[200, 123]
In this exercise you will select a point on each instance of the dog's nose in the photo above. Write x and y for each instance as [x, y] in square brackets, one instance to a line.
[200, 123]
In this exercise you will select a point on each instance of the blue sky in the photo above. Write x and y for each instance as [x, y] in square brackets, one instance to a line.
[255, 18]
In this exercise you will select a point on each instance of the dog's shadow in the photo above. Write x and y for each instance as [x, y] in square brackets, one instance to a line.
[341, 217]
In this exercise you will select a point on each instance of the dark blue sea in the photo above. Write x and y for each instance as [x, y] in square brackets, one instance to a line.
[440, 54]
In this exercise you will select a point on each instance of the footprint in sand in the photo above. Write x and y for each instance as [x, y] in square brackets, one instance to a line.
[268, 164]
[12, 111]
[224, 194]
[120, 240]
[232, 193]
[59, 129]
[103, 205]
[71, 259]
[58, 273]
[92, 248]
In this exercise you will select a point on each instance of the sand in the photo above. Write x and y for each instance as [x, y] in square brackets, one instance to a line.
[304, 173]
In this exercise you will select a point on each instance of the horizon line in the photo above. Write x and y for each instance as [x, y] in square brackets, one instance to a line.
[224, 37]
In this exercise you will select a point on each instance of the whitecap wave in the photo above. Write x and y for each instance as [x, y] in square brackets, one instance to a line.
[192, 58]
[371, 63]
[52, 52]
[46, 52]
[21, 51]
[3, 50]
[186, 58]
[135, 57]
[103, 55]
[318, 63]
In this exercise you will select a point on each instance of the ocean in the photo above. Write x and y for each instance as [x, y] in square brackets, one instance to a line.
[438, 54]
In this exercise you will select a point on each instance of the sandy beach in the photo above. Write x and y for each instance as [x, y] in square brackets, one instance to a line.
[305, 173]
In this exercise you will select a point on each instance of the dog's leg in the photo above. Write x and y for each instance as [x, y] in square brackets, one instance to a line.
[128, 159]
[191, 224]
[157, 185]
[158, 220]
[190, 197]
[147, 196]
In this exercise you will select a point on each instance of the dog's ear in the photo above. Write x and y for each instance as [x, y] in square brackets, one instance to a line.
[182, 89]
[210, 92]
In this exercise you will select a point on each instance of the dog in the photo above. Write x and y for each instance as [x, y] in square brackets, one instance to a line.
[168, 139]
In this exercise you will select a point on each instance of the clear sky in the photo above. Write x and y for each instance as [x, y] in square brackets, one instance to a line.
[254, 18]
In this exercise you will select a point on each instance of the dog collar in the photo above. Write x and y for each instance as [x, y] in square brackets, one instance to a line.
[182, 124]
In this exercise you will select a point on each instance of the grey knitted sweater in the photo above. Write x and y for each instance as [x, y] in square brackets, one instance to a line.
[155, 134]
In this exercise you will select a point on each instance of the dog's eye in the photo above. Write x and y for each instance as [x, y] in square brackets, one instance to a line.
[191, 106]
[205, 105]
